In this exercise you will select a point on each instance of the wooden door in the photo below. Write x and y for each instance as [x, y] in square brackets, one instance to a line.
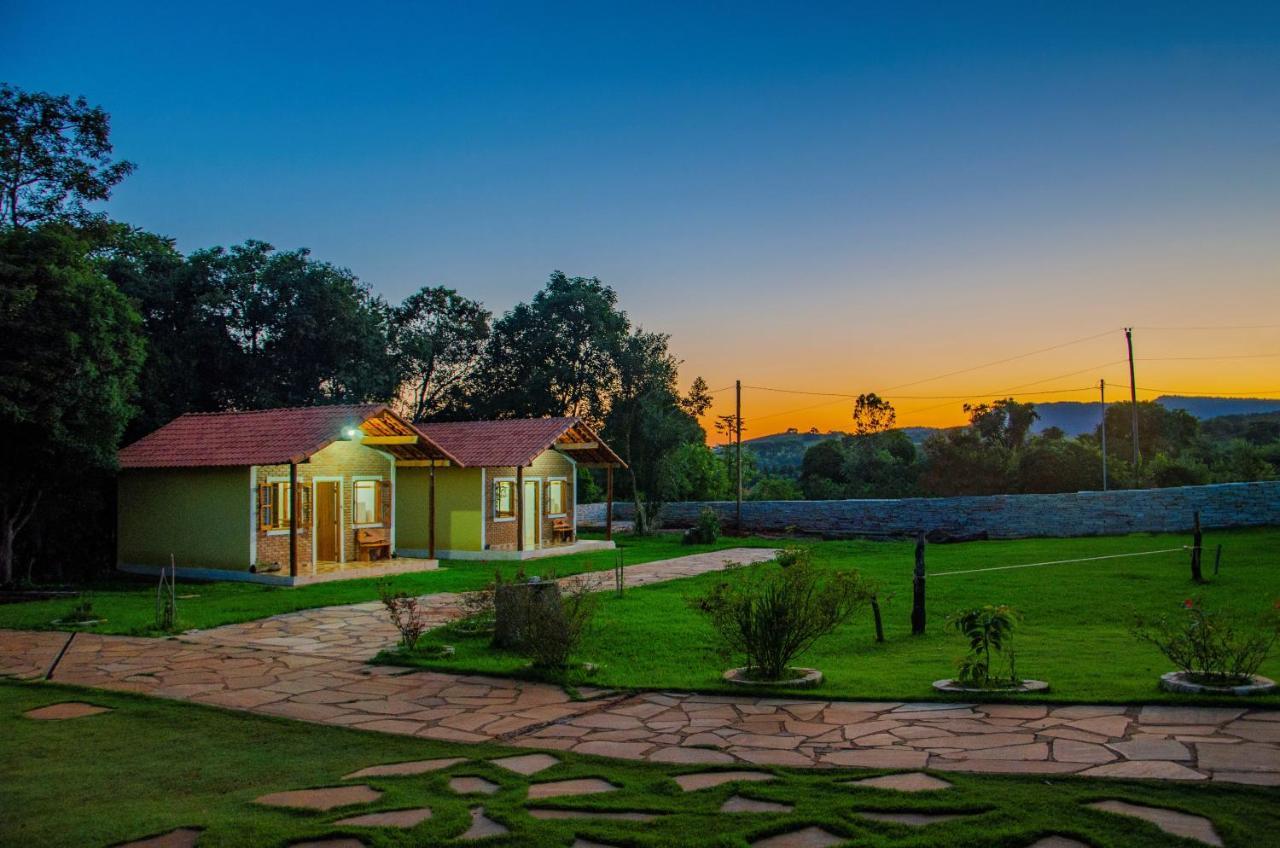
[328, 519]
[532, 514]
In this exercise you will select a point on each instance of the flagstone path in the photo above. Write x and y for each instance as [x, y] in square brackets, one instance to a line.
[310, 666]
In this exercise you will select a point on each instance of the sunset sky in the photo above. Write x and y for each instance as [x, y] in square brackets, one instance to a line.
[806, 196]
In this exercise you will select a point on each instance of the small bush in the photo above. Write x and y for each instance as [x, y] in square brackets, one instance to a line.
[794, 555]
[706, 531]
[406, 613]
[81, 612]
[1210, 647]
[773, 615]
[557, 623]
[989, 630]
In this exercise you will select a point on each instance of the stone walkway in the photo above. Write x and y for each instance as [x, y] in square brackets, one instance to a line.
[310, 666]
[358, 631]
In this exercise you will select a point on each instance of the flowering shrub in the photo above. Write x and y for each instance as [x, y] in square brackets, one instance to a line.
[1211, 647]
[989, 630]
[406, 614]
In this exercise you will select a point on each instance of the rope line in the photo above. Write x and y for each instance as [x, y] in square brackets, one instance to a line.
[1060, 561]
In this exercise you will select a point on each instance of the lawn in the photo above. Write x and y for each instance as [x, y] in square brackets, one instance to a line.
[128, 604]
[150, 766]
[1074, 634]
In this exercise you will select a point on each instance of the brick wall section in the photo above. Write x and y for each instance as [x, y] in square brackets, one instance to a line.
[501, 535]
[1002, 516]
[341, 459]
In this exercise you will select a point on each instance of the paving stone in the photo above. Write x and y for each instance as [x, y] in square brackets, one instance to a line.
[1247, 756]
[482, 827]
[587, 843]
[914, 781]
[577, 786]
[65, 710]
[1255, 731]
[1058, 842]
[468, 785]
[527, 764]
[878, 758]
[390, 818]
[808, 837]
[326, 798]
[910, 819]
[1187, 715]
[1258, 778]
[739, 804]
[183, 837]
[618, 750]
[709, 779]
[680, 754]
[1144, 769]
[1151, 749]
[406, 769]
[1170, 821]
[542, 813]
[1071, 751]
[339, 842]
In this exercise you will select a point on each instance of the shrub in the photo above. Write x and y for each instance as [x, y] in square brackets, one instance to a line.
[81, 612]
[773, 615]
[556, 623]
[407, 614]
[706, 531]
[794, 555]
[1208, 646]
[989, 629]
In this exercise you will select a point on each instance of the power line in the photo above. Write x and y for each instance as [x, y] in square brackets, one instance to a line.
[1218, 327]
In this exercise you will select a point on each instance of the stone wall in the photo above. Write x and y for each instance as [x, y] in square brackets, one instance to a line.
[1001, 516]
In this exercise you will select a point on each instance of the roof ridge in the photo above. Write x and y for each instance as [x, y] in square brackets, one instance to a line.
[280, 409]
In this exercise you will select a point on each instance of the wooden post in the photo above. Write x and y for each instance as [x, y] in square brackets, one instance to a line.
[293, 519]
[1133, 397]
[917, 590]
[1217, 560]
[1197, 543]
[608, 503]
[737, 426]
[875, 613]
[519, 507]
[1102, 389]
[431, 512]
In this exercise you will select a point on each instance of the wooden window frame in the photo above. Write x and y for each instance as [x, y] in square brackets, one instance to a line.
[274, 500]
[504, 516]
[546, 497]
[356, 483]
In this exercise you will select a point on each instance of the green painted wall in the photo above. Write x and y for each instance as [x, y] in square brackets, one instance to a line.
[458, 508]
[200, 515]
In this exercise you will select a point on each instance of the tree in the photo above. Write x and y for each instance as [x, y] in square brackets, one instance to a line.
[872, 414]
[1004, 422]
[70, 350]
[963, 462]
[437, 339]
[880, 465]
[556, 355]
[822, 471]
[726, 426]
[55, 156]
[699, 399]
[1048, 464]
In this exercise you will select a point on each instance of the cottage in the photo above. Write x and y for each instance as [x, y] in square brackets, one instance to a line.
[298, 495]
[510, 492]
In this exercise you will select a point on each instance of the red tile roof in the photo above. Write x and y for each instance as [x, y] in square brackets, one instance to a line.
[511, 442]
[263, 437]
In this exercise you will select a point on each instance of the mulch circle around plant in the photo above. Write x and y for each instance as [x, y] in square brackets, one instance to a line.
[951, 685]
[805, 678]
[1181, 682]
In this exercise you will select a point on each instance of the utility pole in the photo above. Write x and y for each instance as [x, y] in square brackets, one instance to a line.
[1133, 396]
[1102, 390]
[737, 425]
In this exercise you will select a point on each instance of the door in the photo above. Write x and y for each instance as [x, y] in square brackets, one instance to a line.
[532, 513]
[328, 515]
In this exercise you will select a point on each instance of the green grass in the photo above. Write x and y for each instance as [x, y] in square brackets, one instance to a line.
[128, 604]
[1075, 632]
[151, 766]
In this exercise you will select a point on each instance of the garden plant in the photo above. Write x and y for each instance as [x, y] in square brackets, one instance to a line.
[989, 632]
[1211, 647]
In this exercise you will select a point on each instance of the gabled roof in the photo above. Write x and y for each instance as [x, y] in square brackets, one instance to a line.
[271, 437]
[518, 441]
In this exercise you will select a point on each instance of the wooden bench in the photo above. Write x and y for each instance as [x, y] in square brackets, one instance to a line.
[373, 543]
[561, 530]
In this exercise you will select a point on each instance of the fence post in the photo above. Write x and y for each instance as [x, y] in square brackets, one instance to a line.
[917, 590]
[1217, 560]
[1197, 541]
[875, 613]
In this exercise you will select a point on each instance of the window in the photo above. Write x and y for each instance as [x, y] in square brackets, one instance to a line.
[504, 499]
[555, 497]
[366, 501]
[275, 507]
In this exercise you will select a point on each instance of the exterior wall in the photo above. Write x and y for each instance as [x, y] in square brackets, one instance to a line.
[457, 508]
[501, 535]
[344, 460]
[1001, 516]
[201, 516]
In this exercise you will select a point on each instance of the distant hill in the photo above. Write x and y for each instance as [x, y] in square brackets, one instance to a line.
[782, 453]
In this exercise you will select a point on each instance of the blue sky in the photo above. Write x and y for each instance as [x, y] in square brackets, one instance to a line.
[817, 195]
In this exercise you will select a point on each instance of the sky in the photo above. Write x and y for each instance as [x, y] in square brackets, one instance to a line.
[816, 197]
